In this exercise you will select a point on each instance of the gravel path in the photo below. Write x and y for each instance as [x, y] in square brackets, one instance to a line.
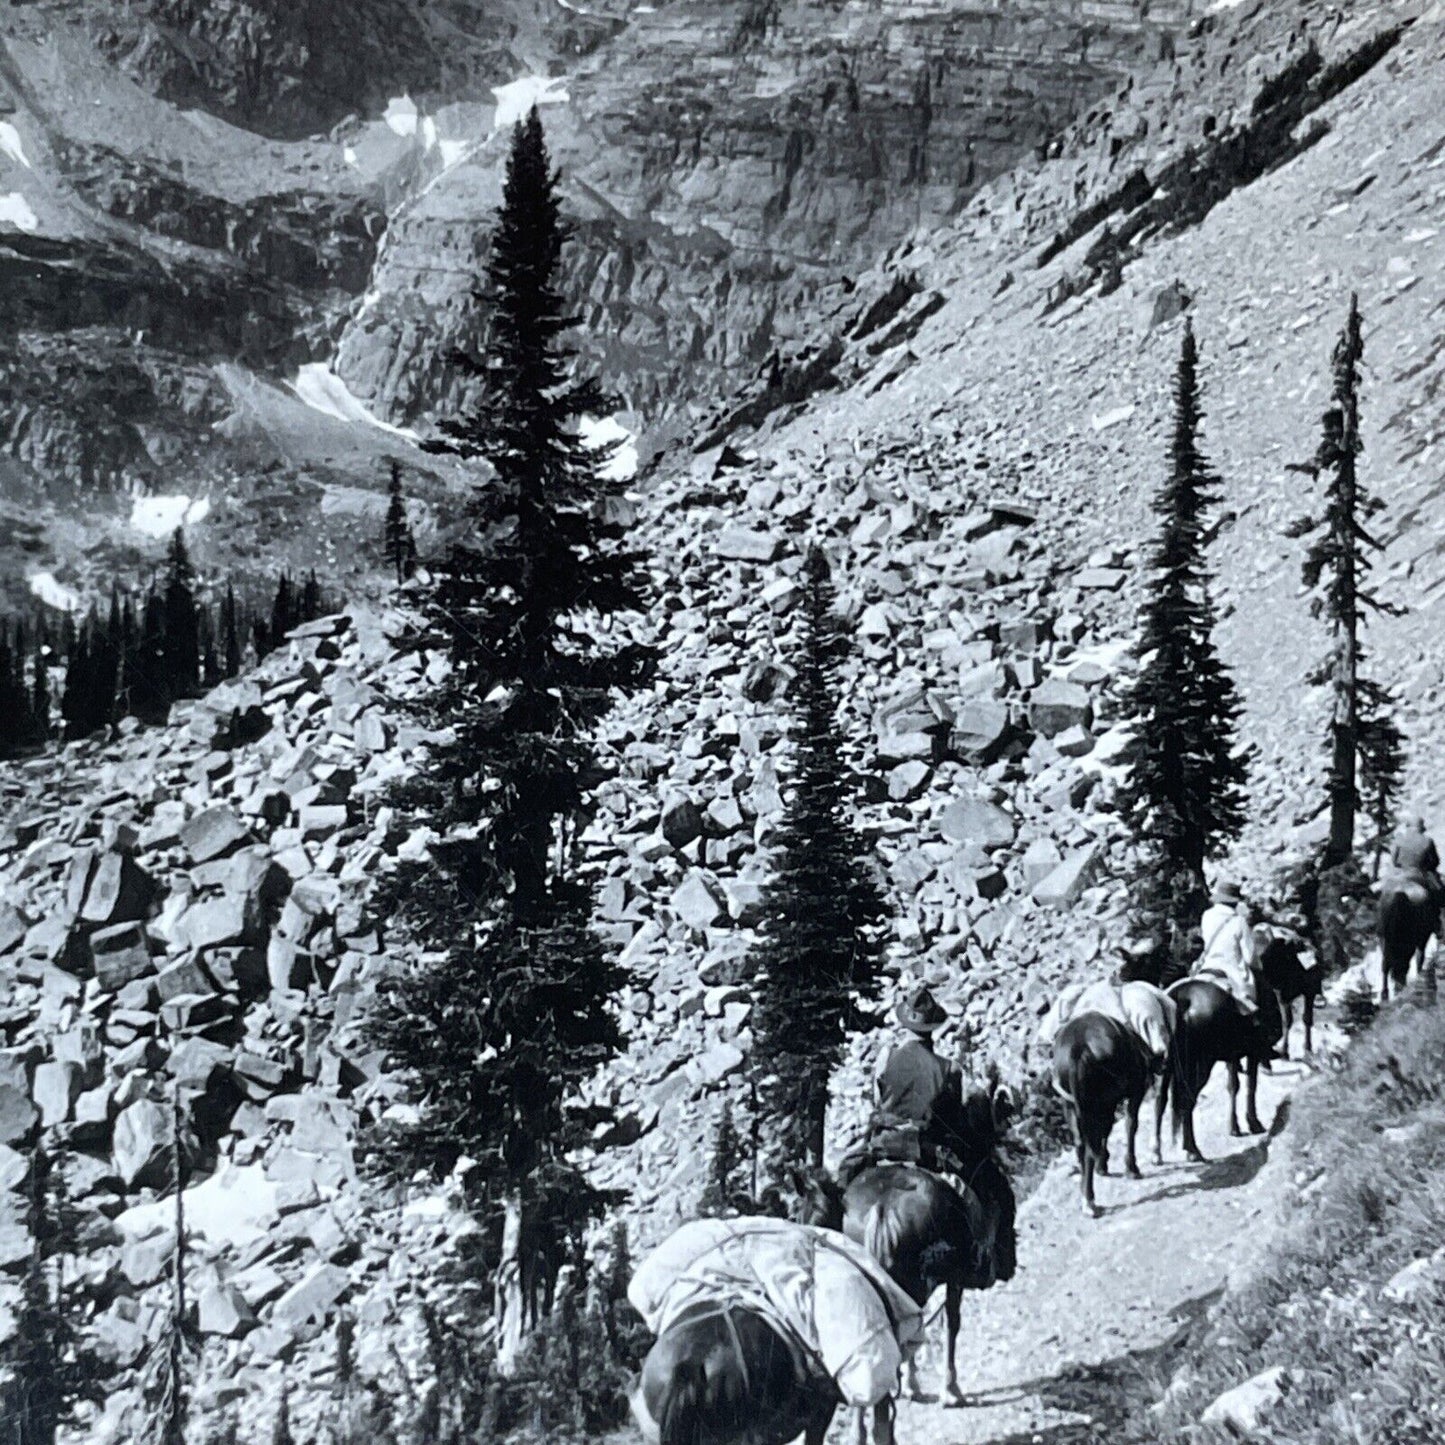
[1090, 1292]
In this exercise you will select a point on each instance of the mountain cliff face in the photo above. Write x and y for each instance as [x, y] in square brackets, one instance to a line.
[199, 200]
[733, 168]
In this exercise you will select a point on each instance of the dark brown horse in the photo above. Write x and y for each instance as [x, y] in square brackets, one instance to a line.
[1406, 919]
[1098, 1065]
[1213, 1028]
[928, 1231]
[1283, 973]
[723, 1374]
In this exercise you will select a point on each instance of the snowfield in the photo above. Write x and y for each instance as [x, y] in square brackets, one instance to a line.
[15, 211]
[322, 390]
[160, 516]
[11, 144]
[516, 99]
[597, 433]
[53, 593]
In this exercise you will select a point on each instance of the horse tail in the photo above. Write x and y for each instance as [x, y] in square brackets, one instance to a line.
[1397, 928]
[880, 1235]
[680, 1419]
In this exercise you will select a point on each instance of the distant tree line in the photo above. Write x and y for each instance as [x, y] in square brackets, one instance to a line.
[140, 653]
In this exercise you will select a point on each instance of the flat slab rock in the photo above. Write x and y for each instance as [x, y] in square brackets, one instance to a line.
[742, 544]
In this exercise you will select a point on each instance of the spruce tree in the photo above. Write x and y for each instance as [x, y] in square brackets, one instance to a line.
[819, 943]
[77, 699]
[310, 608]
[283, 611]
[230, 634]
[724, 1168]
[47, 1370]
[1335, 569]
[150, 696]
[181, 642]
[40, 691]
[399, 545]
[1382, 763]
[513, 1009]
[1183, 789]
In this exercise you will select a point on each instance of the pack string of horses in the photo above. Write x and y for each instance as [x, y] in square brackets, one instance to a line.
[766, 1326]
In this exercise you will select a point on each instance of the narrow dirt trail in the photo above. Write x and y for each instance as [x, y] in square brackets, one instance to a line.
[1094, 1291]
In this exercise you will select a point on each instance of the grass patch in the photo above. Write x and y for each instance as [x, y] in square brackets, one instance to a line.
[1368, 1199]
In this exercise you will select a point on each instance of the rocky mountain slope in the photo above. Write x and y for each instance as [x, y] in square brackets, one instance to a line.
[189, 904]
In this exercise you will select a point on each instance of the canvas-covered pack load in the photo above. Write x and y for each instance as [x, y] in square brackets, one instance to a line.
[830, 1294]
[1149, 1012]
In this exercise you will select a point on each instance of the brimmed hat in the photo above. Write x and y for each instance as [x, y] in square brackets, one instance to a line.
[920, 1012]
[1226, 891]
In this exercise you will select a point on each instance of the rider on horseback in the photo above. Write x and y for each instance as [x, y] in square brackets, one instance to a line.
[1229, 947]
[1418, 861]
[919, 1116]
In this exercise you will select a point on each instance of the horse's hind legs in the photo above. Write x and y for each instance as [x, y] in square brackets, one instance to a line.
[1251, 1112]
[1234, 1098]
[1131, 1161]
[1161, 1102]
[953, 1309]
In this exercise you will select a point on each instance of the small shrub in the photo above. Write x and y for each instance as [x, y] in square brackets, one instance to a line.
[1358, 1009]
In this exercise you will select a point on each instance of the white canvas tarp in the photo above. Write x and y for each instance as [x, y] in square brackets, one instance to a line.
[1149, 1012]
[829, 1293]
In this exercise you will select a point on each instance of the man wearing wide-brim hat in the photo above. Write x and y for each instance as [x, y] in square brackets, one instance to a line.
[1229, 948]
[920, 1096]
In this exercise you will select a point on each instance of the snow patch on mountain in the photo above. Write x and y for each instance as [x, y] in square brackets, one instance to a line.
[401, 115]
[53, 593]
[598, 432]
[15, 211]
[160, 516]
[11, 144]
[517, 98]
[322, 390]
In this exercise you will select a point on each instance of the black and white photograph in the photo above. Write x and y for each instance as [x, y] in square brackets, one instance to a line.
[722, 722]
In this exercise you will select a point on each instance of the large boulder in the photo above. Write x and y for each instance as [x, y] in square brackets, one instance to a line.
[141, 1145]
[120, 955]
[312, 1296]
[697, 902]
[1244, 1409]
[117, 890]
[18, 1116]
[740, 544]
[981, 730]
[976, 820]
[1057, 705]
[1064, 885]
[213, 833]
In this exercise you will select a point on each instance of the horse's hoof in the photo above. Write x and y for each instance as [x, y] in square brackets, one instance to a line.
[1158, 1160]
[1233, 1130]
[1255, 1127]
[1194, 1156]
[1091, 1210]
[1134, 1173]
[1102, 1169]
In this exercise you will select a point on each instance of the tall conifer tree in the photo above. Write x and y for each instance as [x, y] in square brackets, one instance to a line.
[514, 1010]
[1183, 791]
[1336, 569]
[819, 944]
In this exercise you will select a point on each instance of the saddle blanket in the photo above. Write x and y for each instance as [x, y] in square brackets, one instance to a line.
[828, 1293]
